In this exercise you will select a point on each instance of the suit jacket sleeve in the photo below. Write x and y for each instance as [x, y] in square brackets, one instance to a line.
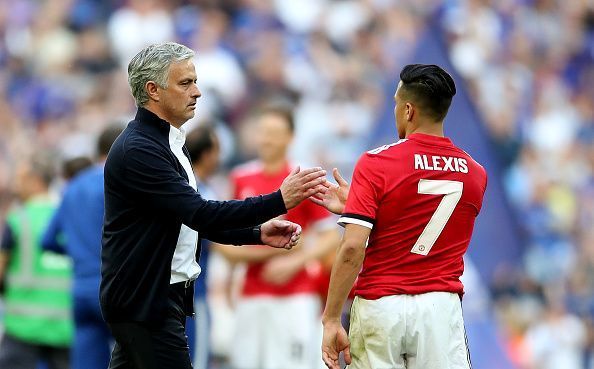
[153, 181]
[244, 236]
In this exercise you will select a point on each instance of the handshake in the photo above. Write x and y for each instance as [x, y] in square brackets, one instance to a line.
[298, 186]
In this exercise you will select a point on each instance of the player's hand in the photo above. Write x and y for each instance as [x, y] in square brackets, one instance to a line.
[334, 199]
[280, 269]
[301, 184]
[280, 233]
[335, 340]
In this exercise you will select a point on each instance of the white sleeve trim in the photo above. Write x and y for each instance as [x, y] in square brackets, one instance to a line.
[343, 220]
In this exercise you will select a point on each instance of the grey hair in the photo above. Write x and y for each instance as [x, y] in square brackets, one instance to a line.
[152, 64]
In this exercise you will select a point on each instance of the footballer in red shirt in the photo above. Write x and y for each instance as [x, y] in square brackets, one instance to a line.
[278, 315]
[408, 221]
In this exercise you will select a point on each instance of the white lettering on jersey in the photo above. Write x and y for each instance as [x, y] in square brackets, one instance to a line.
[440, 163]
[385, 147]
[427, 166]
[447, 163]
[418, 162]
[436, 163]
[463, 166]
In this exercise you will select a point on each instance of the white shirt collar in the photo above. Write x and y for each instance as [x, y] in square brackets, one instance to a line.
[177, 137]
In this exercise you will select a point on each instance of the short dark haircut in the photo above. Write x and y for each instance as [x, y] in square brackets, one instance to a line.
[107, 138]
[282, 109]
[71, 167]
[431, 87]
[200, 140]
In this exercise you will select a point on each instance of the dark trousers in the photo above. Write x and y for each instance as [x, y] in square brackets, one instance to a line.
[17, 354]
[155, 345]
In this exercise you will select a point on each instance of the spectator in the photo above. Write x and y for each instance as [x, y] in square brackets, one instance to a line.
[37, 316]
[276, 285]
[75, 230]
[203, 147]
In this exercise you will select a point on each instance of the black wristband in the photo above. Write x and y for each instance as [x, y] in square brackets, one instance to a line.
[257, 232]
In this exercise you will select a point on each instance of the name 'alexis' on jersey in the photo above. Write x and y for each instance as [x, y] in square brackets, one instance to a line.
[443, 163]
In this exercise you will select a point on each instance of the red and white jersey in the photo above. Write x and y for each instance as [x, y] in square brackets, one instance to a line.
[420, 196]
[250, 180]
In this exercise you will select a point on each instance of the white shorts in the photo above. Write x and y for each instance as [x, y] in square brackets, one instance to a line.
[278, 333]
[408, 331]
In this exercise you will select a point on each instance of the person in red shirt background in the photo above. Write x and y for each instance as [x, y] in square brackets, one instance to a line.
[408, 221]
[278, 315]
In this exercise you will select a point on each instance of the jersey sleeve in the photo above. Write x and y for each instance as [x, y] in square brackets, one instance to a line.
[365, 193]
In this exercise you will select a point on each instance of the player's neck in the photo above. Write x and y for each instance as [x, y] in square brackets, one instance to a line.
[274, 166]
[429, 128]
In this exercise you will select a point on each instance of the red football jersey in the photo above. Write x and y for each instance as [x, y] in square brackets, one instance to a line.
[420, 196]
[250, 180]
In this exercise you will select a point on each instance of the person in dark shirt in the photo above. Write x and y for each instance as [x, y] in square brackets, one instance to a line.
[154, 216]
[78, 234]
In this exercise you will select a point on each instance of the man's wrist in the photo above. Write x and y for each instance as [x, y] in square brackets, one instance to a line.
[326, 319]
[257, 233]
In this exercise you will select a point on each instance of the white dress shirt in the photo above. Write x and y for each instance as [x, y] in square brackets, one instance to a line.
[184, 266]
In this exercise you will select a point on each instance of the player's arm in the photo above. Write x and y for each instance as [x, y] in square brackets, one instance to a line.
[344, 272]
[248, 254]
[347, 265]
[327, 240]
[257, 254]
[282, 268]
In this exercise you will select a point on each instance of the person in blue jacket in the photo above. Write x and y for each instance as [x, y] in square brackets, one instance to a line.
[75, 230]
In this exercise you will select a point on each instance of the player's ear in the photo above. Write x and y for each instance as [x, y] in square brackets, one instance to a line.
[409, 110]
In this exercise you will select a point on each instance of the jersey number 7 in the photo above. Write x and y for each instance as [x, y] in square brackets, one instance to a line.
[452, 192]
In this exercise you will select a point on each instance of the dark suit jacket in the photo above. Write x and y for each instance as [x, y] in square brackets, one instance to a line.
[147, 198]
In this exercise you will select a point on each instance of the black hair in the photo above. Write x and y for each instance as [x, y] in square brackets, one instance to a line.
[200, 140]
[107, 138]
[71, 167]
[429, 86]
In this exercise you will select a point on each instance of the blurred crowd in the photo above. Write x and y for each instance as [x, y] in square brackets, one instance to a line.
[527, 64]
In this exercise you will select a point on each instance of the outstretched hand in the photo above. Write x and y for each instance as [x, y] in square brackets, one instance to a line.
[280, 233]
[301, 184]
[335, 197]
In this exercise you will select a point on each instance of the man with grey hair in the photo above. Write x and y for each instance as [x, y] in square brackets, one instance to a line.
[154, 216]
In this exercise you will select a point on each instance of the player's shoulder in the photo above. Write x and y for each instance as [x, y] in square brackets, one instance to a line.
[388, 148]
[471, 160]
[248, 169]
[475, 168]
[385, 151]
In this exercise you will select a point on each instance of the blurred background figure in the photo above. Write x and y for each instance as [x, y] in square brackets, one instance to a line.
[75, 230]
[37, 321]
[278, 314]
[525, 71]
[204, 149]
[71, 167]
